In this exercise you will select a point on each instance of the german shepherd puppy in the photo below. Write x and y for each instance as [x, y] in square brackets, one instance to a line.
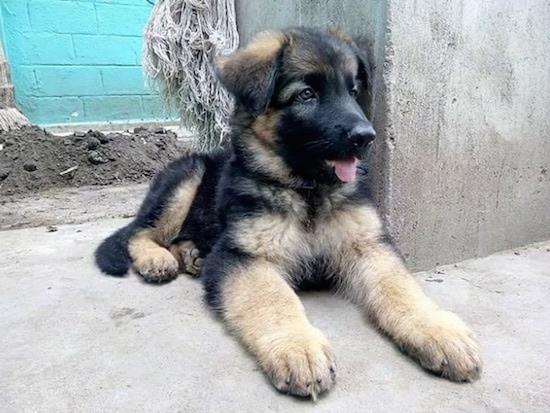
[288, 207]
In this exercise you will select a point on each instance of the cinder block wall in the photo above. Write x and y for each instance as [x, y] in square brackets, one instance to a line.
[76, 61]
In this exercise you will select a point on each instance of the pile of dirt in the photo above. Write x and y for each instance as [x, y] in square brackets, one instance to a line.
[33, 160]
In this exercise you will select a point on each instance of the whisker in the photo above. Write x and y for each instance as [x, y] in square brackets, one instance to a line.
[316, 144]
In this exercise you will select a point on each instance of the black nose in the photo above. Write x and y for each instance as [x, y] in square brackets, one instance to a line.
[362, 134]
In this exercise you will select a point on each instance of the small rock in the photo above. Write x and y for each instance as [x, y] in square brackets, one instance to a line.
[516, 252]
[140, 129]
[30, 167]
[79, 134]
[97, 134]
[160, 130]
[93, 143]
[8, 142]
[103, 139]
[95, 158]
[4, 175]
[51, 228]
[547, 249]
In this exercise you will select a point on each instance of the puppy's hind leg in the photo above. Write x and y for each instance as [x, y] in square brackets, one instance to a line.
[188, 257]
[148, 247]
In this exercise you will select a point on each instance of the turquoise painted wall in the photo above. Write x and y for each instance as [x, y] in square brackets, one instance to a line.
[75, 61]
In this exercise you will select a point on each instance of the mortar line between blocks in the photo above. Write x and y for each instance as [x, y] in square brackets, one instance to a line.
[96, 19]
[28, 6]
[73, 44]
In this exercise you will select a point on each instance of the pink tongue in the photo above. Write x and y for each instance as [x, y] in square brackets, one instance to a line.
[345, 170]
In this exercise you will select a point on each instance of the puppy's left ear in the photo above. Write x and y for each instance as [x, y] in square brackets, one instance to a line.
[362, 47]
[250, 73]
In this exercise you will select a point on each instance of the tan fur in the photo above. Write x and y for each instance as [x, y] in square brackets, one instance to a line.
[340, 35]
[257, 300]
[372, 275]
[294, 240]
[262, 140]
[169, 224]
[264, 48]
[264, 129]
[259, 54]
[351, 226]
[187, 255]
[288, 92]
[275, 238]
[349, 65]
[375, 278]
[148, 247]
[267, 316]
[150, 260]
[266, 161]
[266, 44]
[309, 61]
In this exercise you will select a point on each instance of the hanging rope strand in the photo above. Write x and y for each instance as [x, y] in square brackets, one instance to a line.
[180, 41]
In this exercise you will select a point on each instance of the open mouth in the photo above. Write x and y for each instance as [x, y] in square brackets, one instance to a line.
[345, 169]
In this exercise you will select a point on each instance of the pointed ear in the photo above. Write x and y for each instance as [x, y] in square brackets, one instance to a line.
[362, 47]
[250, 73]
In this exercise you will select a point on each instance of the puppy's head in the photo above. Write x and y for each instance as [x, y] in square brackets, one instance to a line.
[300, 88]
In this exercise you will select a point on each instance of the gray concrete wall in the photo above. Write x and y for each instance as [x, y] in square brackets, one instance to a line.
[469, 167]
[462, 110]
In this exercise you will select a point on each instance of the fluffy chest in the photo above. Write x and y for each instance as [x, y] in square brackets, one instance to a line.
[300, 231]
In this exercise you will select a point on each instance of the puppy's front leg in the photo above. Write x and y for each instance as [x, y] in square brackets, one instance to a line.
[264, 312]
[378, 281]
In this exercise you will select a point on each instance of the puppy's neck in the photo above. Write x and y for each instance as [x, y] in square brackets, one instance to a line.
[260, 158]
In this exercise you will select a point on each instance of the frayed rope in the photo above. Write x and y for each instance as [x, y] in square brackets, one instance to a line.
[181, 39]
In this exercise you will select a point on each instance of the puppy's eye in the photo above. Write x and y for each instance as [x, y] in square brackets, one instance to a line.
[353, 92]
[307, 94]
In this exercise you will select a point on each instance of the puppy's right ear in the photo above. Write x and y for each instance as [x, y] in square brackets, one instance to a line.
[250, 73]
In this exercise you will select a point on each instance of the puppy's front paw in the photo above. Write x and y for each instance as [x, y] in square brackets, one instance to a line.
[157, 266]
[445, 345]
[300, 363]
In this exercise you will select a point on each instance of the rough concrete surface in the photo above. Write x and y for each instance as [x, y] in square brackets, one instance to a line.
[71, 206]
[74, 340]
[461, 97]
[469, 127]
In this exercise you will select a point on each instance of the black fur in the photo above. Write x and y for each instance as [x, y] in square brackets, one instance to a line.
[288, 203]
[234, 186]
[112, 255]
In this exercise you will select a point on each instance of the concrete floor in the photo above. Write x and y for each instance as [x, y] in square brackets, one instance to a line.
[73, 340]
